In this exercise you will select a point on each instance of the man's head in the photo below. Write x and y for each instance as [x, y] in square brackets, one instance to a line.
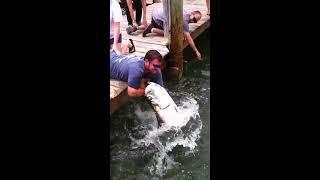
[152, 61]
[195, 16]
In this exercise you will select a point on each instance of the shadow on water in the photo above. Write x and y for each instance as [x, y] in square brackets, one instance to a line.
[138, 151]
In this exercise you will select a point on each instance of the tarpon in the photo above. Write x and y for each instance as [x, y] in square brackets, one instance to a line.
[165, 108]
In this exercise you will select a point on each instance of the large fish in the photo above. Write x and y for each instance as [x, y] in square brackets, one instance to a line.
[165, 108]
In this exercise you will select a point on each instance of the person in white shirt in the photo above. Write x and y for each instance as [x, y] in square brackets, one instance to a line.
[115, 34]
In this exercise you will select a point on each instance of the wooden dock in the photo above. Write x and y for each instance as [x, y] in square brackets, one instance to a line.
[118, 94]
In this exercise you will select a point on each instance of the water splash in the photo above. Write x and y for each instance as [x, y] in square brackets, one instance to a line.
[185, 132]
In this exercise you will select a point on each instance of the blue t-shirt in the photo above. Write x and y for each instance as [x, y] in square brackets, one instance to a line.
[130, 69]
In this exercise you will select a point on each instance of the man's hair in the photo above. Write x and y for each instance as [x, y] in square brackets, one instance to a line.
[153, 54]
[196, 12]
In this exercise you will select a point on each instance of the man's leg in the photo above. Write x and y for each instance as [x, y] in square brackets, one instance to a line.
[148, 30]
[158, 31]
[144, 14]
[138, 6]
[208, 7]
[153, 28]
[127, 12]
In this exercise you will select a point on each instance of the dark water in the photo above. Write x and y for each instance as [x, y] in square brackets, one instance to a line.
[139, 151]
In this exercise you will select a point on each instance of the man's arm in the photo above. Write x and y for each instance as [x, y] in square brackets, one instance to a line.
[192, 45]
[137, 92]
[116, 35]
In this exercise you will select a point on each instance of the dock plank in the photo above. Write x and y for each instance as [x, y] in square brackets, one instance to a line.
[116, 87]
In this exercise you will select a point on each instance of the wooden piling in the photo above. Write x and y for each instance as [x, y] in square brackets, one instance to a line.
[174, 11]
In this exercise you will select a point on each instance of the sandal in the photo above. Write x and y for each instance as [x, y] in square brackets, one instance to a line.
[131, 28]
[132, 49]
[148, 30]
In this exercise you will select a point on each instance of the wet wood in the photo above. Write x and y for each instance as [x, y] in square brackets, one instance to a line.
[175, 62]
[118, 94]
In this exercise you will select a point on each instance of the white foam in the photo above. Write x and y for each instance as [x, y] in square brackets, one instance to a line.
[161, 163]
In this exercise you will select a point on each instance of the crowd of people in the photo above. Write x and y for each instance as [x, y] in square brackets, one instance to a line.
[133, 69]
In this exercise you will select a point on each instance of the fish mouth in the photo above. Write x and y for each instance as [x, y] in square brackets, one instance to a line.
[165, 106]
[160, 105]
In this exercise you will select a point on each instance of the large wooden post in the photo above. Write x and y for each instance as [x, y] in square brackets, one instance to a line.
[174, 31]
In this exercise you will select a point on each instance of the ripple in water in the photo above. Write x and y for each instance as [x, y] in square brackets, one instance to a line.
[149, 140]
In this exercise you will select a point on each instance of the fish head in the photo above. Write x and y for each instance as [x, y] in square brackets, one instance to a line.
[157, 95]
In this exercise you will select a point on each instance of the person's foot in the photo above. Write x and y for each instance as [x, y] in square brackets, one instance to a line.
[131, 46]
[142, 27]
[130, 29]
[147, 31]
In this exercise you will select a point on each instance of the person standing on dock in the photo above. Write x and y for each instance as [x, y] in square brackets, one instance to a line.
[134, 23]
[115, 34]
[136, 70]
[157, 26]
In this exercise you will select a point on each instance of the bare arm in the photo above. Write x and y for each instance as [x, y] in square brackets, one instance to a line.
[192, 45]
[135, 92]
[138, 92]
[116, 45]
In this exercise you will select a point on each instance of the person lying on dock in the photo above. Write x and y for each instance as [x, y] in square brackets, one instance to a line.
[115, 34]
[157, 25]
[135, 70]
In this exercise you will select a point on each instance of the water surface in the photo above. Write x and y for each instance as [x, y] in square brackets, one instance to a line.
[140, 151]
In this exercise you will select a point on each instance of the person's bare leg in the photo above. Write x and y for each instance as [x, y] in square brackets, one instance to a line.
[142, 27]
[208, 7]
[144, 11]
[158, 31]
[129, 3]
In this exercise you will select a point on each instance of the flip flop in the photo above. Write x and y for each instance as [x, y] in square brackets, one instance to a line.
[130, 29]
[147, 30]
[132, 49]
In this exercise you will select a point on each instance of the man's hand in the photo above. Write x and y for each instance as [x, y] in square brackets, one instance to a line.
[198, 55]
[144, 23]
[135, 24]
[144, 83]
[138, 92]
[116, 49]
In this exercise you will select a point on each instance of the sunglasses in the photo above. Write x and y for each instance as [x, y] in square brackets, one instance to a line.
[194, 20]
[156, 66]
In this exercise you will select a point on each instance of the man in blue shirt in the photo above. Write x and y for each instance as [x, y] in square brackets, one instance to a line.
[133, 69]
